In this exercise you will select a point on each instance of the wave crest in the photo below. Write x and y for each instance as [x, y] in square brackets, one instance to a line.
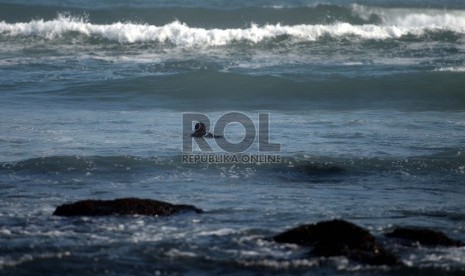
[180, 34]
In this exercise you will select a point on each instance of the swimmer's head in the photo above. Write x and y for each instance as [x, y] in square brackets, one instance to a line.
[199, 127]
[199, 130]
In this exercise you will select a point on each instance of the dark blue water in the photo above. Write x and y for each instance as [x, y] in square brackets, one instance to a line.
[366, 100]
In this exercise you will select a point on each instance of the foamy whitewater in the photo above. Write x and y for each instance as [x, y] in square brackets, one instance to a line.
[366, 100]
[180, 34]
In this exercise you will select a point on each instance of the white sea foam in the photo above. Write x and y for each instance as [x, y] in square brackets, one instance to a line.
[458, 69]
[5, 232]
[280, 264]
[220, 232]
[413, 17]
[181, 34]
[11, 262]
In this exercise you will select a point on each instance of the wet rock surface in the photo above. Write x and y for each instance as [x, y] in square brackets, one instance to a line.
[123, 206]
[423, 237]
[339, 238]
[324, 239]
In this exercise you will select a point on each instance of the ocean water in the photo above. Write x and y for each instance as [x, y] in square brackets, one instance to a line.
[366, 100]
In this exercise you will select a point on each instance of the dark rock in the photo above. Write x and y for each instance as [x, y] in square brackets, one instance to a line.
[123, 206]
[339, 238]
[424, 237]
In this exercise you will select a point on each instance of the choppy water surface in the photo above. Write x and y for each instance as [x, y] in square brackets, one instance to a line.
[365, 98]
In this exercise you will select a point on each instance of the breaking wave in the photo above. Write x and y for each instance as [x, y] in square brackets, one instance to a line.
[181, 34]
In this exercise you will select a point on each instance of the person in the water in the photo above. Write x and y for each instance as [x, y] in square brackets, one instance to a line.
[200, 131]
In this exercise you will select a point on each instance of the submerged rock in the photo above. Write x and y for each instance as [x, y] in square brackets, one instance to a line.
[424, 237]
[339, 238]
[123, 206]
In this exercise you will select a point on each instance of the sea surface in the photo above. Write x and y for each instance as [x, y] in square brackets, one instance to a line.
[365, 98]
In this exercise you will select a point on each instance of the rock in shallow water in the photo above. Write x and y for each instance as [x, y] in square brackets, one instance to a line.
[424, 237]
[123, 206]
[339, 238]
